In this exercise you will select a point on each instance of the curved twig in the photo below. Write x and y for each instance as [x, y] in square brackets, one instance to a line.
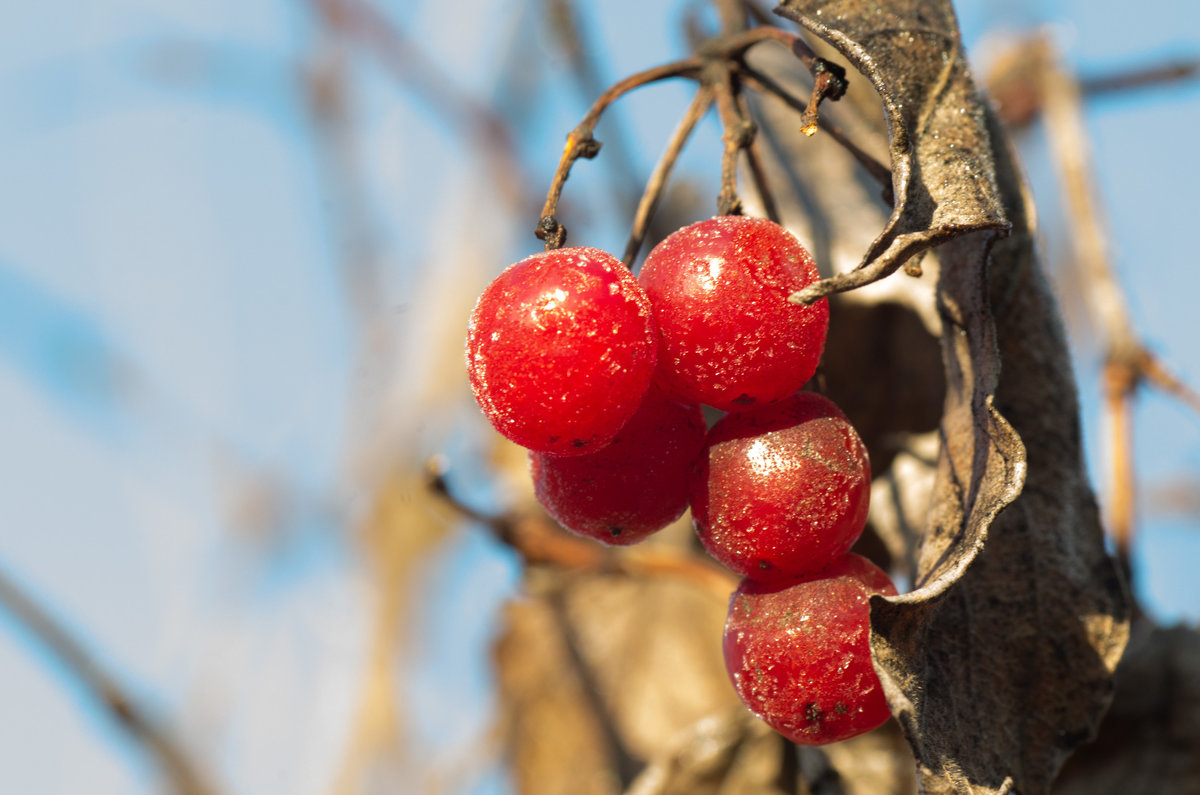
[581, 144]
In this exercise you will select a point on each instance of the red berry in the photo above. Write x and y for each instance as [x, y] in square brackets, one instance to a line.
[561, 348]
[799, 653]
[782, 491]
[636, 485]
[730, 338]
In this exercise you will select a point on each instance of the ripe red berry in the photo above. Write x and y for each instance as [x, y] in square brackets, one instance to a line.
[730, 338]
[561, 348]
[782, 491]
[636, 485]
[799, 656]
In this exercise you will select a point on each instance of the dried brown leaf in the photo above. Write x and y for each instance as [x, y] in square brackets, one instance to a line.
[1000, 662]
[911, 53]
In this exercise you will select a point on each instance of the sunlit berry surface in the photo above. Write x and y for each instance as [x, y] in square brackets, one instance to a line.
[782, 491]
[561, 348]
[798, 653]
[636, 485]
[730, 338]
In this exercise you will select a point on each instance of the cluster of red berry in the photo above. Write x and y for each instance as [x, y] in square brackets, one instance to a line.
[601, 376]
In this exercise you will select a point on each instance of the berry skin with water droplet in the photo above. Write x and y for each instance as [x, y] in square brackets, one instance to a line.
[636, 485]
[730, 338]
[782, 491]
[561, 349]
[799, 656]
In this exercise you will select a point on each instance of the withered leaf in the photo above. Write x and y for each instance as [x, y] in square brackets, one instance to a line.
[941, 179]
[999, 663]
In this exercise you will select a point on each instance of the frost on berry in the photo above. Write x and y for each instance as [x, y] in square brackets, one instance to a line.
[561, 349]
[782, 491]
[798, 653]
[636, 485]
[730, 338]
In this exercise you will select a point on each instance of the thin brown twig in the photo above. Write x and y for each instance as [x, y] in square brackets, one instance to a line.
[401, 56]
[1120, 388]
[539, 542]
[1155, 372]
[623, 762]
[766, 84]
[713, 66]
[182, 772]
[758, 171]
[735, 45]
[656, 185]
[739, 134]
[581, 144]
[574, 38]
[1105, 299]
[1146, 77]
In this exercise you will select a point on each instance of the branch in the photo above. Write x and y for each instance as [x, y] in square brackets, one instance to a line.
[180, 770]
[714, 66]
[1128, 364]
[538, 542]
[581, 144]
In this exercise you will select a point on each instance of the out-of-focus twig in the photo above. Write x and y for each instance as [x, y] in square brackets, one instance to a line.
[624, 764]
[539, 542]
[1128, 364]
[1143, 77]
[401, 55]
[1015, 86]
[181, 771]
[738, 135]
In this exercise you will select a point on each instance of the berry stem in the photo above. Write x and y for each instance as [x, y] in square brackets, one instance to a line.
[715, 65]
[765, 84]
[69, 651]
[581, 143]
[739, 134]
[758, 171]
[656, 185]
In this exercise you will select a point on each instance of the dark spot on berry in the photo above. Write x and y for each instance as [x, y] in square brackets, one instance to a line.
[763, 565]
[840, 708]
[812, 713]
[554, 439]
[615, 531]
[743, 399]
[578, 443]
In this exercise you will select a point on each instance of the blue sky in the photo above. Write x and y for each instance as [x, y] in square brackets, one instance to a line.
[178, 344]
